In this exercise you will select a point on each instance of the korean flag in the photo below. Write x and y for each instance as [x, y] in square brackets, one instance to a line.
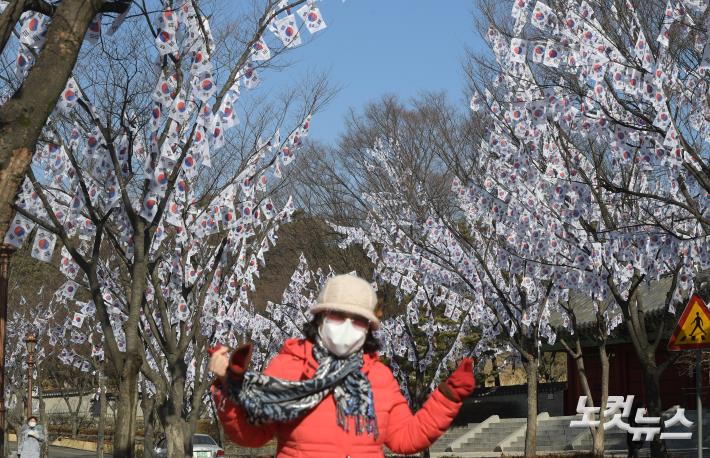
[94, 32]
[69, 97]
[260, 51]
[43, 246]
[251, 77]
[78, 320]
[165, 41]
[18, 231]
[312, 17]
[287, 31]
[518, 49]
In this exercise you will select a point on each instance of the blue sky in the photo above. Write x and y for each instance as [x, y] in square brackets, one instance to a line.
[376, 47]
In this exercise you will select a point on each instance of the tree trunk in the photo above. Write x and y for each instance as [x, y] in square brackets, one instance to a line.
[188, 428]
[125, 426]
[43, 419]
[177, 439]
[148, 407]
[652, 387]
[598, 438]
[15, 419]
[597, 433]
[127, 404]
[220, 429]
[192, 428]
[496, 371]
[148, 439]
[419, 397]
[420, 394]
[531, 366]
[100, 430]
[24, 115]
[74, 426]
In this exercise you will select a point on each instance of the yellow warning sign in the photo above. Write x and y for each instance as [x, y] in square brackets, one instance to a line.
[693, 328]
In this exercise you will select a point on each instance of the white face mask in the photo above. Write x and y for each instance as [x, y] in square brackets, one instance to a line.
[32, 424]
[342, 339]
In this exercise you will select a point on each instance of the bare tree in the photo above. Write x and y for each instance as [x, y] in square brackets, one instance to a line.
[133, 188]
[53, 43]
[596, 109]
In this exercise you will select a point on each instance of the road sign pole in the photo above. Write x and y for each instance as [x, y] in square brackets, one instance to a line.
[693, 333]
[698, 398]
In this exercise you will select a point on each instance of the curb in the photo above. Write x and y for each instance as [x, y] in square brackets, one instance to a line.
[78, 445]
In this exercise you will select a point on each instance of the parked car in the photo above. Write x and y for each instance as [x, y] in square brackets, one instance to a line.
[203, 446]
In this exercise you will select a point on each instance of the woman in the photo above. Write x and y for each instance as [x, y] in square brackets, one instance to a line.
[328, 395]
[30, 440]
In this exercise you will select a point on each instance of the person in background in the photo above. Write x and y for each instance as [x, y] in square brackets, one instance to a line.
[30, 440]
[328, 394]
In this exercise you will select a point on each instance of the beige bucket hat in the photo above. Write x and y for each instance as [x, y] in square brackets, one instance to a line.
[350, 294]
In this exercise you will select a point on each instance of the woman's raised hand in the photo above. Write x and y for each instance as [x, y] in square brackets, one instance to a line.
[219, 362]
[225, 366]
[460, 383]
[239, 361]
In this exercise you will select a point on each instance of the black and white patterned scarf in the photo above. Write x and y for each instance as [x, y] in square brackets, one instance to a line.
[269, 399]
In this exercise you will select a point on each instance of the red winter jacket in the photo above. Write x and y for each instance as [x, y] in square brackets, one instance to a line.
[317, 434]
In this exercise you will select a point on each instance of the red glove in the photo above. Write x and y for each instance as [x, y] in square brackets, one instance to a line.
[217, 346]
[230, 385]
[460, 383]
[239, 361]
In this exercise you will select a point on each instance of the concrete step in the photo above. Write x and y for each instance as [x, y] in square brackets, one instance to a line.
[553, 435]
[505, 427]
[451, 435]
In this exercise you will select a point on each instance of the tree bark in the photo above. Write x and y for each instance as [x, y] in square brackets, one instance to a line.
[652, 387]
[101, 429]
[43, 419]
[531, 366]
[496, 372]
[148, 407]
[646, 346]
[598, 438]
[25, 114]
[177, 439]
[126, 404]
[419, 397]
[76, 420]
[148, 439]
[74, 426]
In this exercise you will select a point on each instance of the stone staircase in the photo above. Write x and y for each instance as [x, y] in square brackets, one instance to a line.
[488, 437]
[507, 435]
[615, 439]
[684, 444]
[553, 434]
[449, 436]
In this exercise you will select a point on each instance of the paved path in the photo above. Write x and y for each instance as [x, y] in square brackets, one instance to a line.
[62, 452]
